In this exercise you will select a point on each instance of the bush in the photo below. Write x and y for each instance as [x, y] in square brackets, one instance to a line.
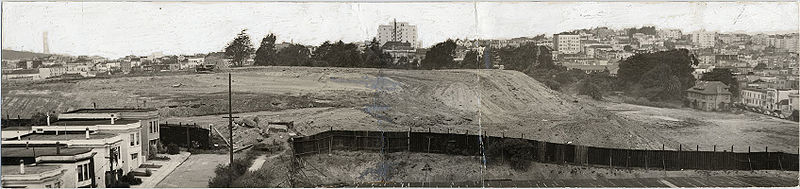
[223, 172]
[256, 179]
[148, 172]
[516, 152]
[591, 89]
[131, 179]
[173, 149]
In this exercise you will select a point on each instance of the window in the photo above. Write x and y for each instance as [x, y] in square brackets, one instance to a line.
[83, 173]
[134, 156]
[138, 138]
[132, 139]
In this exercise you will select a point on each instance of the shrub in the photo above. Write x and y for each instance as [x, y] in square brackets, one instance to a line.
[516, 152]
[256, 179]
[173, 149]
[148, 172]
[131, 179]
[591, 89]
[223, 172]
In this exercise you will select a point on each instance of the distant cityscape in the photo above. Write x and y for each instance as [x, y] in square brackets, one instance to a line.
[765, 65]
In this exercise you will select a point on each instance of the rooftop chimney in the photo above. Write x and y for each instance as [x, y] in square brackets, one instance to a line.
[48, 119]
[58, 147]
[21, 167]
[112, 119]
[87, 132]
[94, 105]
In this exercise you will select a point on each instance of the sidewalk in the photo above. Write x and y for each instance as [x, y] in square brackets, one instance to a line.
[166, 168]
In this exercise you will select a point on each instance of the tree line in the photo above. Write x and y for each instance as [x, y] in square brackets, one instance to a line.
[658, 76]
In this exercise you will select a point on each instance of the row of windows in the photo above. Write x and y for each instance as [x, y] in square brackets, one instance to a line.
[135, 139]
[83, 172]
[153, 127]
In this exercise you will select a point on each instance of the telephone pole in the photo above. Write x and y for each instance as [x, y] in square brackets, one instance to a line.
[230, 129]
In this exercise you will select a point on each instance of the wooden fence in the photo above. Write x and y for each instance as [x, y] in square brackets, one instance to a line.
[545, 152]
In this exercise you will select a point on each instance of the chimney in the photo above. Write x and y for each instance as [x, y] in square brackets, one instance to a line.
[58, 148]
[112, 119]
[87, 132]
[48, 119]
[19, 136]
[21, 167]
[94, 105]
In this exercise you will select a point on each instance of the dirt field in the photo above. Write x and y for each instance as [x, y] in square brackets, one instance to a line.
[496, 101]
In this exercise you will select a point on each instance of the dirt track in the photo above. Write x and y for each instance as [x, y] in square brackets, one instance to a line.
[316, 99]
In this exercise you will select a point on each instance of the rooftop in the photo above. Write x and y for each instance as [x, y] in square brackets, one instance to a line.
[710, 87]
[92, 122]
[68, 136]
[14, 169]
[32, 152]
[110, 110]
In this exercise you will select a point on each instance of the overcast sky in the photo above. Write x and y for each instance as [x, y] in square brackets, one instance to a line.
[118, 29]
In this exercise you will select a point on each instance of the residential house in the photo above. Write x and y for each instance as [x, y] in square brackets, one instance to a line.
[709, 96]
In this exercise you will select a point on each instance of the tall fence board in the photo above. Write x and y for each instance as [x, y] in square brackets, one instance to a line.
[545, 152]
[177, 134]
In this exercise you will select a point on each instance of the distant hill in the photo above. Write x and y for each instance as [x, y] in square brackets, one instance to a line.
[13, 55]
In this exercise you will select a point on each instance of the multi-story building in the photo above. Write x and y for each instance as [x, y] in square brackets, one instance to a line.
[709, 96]
[118, 139]
[398, 32]
[566, 43]
[753, 97]
[704, 39]
[670, 33]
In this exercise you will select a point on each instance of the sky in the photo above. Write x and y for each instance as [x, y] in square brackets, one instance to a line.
[117, 29]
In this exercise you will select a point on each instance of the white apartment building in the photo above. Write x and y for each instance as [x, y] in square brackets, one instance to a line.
[400, 32]
[567, 43]
[704, 39]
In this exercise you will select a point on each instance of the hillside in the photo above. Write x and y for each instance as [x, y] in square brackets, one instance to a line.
[496, 101]
[13, 55]
[500, 102]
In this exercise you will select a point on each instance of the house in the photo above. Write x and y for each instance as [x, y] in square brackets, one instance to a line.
[103, 144]
[49, 167]
[709, 96]
[22, 74]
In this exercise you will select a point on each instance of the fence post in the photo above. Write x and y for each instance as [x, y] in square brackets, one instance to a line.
[748, 158]
[210, 127]
[680, 159]
[713, 167]
[663, 154]
[408, 140]
[330, 141]
[610, 156]
[188, 138]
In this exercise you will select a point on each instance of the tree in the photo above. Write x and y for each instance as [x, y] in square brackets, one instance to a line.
[240, 48]
[374, 56]
[725, 76]
[658, 76]
[338, 54]
[470, 60]
[760, 66]
[440, 56]
[293, 55]
[265, 55]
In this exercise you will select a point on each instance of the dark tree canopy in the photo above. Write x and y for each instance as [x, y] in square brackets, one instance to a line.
[294, 55]
[526, 57]
[471, 60]
[240, 48]
[338, 54]
[374, 57]
[760, 66]
[658, 76]
[440, 56]
[725, 76]
[265, 55]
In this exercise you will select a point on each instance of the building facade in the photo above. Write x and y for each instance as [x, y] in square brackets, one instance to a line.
[709, 96]
[398, 32]
[567, 43]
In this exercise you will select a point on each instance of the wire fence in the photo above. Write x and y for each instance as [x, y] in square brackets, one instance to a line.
[539, 151]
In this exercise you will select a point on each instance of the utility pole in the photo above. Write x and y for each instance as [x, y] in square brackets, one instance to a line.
[230, 129]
